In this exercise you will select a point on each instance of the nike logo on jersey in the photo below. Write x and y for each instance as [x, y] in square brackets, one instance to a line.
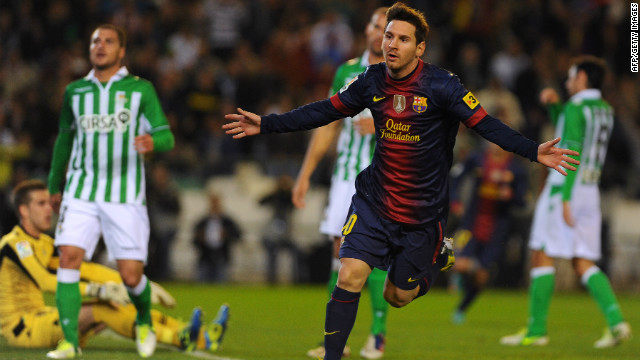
[376, 99]
[412, 279]
[331, 333]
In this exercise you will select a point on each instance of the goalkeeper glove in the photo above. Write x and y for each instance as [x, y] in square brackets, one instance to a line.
[161, 296]
[109, 291]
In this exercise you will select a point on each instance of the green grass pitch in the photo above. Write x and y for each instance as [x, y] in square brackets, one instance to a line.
[283, 322]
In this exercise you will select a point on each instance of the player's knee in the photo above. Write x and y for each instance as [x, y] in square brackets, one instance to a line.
[129, 279]
[397, 299]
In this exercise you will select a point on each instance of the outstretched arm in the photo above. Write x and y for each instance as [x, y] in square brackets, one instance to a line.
[557, 158]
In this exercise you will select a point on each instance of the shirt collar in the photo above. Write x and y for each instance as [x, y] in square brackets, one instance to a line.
[586, 95]
[122, 72]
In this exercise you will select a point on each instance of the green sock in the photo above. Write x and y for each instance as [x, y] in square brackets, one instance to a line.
[333, 280]
[69, 301]
[540, 292]
[379, 305]
[600, 289]
[142, 302]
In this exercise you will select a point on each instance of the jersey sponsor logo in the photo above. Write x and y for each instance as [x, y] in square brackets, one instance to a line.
[419, 104]
[106, 123]
[398, 131]
[399, 103]
[376, 99]
[23, 248]
[471, 100]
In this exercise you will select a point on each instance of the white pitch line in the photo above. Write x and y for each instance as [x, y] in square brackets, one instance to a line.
[197, 353]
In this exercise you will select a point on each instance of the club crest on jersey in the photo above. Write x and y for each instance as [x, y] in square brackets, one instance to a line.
[419, 104]
[471, 100]
[399, 103]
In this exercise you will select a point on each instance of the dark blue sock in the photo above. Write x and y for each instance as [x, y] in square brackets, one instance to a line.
[341, 315]
[471, 291]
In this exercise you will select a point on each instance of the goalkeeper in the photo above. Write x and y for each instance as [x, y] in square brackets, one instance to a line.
[27, 269]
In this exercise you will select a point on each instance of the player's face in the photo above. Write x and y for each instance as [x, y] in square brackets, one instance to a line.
[38, 211]
[399, 47]
[573, 82]
[375, 32]
[105, 51]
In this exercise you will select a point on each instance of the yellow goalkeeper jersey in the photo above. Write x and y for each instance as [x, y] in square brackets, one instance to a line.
[28, 268]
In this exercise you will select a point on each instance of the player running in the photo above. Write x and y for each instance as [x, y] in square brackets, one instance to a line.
[398, 213]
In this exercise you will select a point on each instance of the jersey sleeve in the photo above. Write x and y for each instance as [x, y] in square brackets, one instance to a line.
[338, 80]
[572, 138]
[62, 146]
[459, 102]
[38, 272]
[152, 110]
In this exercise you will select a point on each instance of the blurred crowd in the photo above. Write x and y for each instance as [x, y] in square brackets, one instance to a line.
[206, 57]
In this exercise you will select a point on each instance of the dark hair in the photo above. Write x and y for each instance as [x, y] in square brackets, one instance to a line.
[122, 34]
[594, 67]
[402, 12]
[22, 192]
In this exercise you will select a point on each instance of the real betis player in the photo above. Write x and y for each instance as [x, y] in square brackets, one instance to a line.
[567, 220]
[109, 120]
[355, 144]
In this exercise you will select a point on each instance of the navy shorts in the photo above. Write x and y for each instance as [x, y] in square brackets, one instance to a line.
[407, 253]
[487, 253]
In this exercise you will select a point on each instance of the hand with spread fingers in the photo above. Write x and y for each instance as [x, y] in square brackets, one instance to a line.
[243, 124]
[557, 158]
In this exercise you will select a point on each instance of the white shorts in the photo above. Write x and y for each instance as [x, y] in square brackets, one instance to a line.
[551, 234]
[335, 214]
[124, 227]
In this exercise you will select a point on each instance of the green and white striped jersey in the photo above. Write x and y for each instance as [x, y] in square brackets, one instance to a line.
[104, 120]
[584, 124]
[354, 150]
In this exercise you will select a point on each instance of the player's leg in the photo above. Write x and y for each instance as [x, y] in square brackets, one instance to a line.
[374, 347]
[126, 235]
[416, 263]
[77, 234]
[343, 306]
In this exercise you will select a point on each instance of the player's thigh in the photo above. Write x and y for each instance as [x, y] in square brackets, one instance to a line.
[78, 225]
[125, 230]
[39, 329]
[588, 224]
[549, 232]
[415, 260]
[337, 208]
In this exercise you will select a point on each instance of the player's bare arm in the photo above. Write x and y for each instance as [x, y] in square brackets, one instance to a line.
[557, 158]
[245, 123]
[364, 126]
[319, 144]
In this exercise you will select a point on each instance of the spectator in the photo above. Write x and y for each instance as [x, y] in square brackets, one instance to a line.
[214, 235]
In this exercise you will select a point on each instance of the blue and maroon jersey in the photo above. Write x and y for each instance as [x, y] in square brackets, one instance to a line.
[416, 120]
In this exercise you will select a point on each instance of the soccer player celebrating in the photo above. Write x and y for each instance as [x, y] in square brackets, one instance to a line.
[27, 270]
[109, 120]
[355, 146]
[567, 220]
[400, 207]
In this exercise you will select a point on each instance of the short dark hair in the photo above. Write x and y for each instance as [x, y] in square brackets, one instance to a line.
[122, 34]
[21, 194]
[594, 67]
[402, 12]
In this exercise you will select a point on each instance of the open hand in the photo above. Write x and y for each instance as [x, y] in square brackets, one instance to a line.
[557, 158]
[243, 124]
